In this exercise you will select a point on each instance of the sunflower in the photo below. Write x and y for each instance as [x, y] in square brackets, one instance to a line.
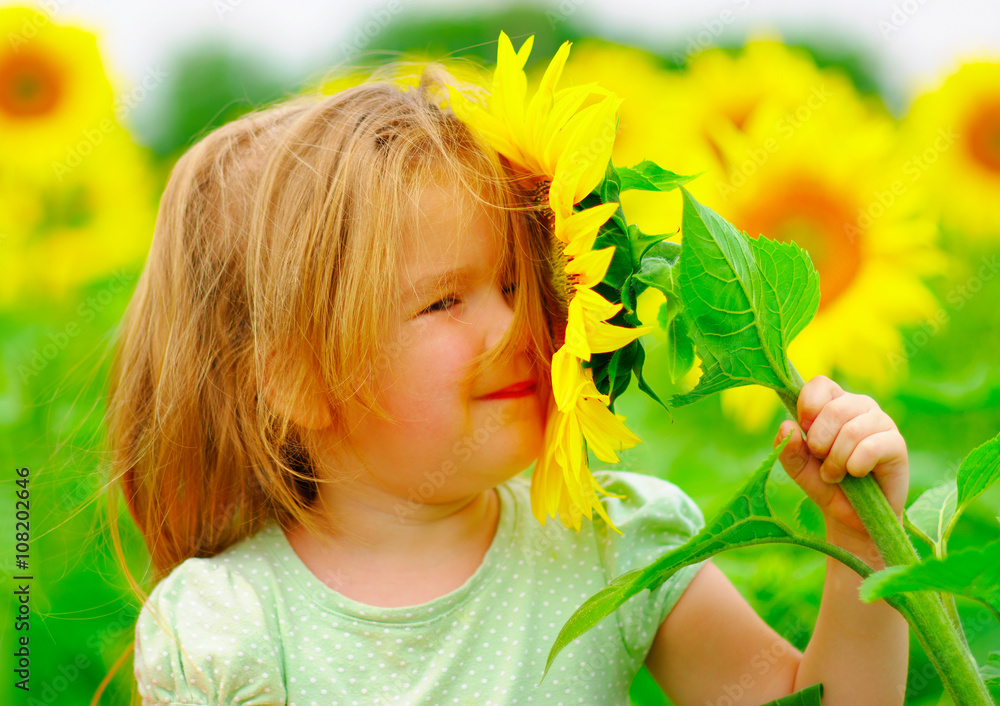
[561, 140]
[93, 224]
[771, 168]
[952, 141]
[72, 182]
[54, 93]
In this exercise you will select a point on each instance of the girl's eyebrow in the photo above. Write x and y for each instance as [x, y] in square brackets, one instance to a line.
[433, 282]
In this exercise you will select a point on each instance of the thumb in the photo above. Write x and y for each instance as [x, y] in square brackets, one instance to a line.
[802, 466]
[795, 457]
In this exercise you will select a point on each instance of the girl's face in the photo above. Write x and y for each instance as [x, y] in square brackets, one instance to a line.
[452, 438]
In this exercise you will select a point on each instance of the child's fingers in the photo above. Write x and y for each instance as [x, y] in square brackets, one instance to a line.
[813, 397]
[832, 418]
[878, 448]
[802, 466]
[886, 452]
[853, 432]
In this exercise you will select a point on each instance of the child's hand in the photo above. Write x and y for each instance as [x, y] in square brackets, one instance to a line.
[854, 436]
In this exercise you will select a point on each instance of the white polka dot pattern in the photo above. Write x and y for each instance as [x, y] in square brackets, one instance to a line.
[259, 628]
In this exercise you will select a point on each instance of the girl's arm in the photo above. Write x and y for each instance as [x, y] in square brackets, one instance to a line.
[714, 649]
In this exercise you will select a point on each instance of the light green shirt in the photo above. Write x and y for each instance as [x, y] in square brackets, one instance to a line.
[258, 627]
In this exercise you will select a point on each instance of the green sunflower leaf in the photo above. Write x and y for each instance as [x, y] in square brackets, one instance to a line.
[641, 243]
[991, 669]
[628, 295]
[973, 573]
[649, 176]
[809, 517]
[640, 360]
[931, 515]
[621, 262]
[990, 672]
[979, 471]
[660, 269]
[810, 696]
[611, 186]
[680, 346]
[746, 299]
[745, 521]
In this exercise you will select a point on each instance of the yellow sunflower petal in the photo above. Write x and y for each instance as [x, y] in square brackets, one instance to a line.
[576, 461]
[575, 339]
[566, 103]
[579, 230]
[604, 430]
[596, 305]
[590, 267]
[603, 337]
[540, 105]
[587, 142]
[510, 86]
[600, 506]
[566, 378]
[492, 128]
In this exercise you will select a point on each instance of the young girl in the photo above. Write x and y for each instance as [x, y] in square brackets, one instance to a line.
[331, 375]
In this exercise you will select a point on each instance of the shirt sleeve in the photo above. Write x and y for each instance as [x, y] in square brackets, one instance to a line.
[202, 638]
[655, 517]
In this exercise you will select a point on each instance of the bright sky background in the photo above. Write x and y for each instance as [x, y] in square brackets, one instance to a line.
[911, 41]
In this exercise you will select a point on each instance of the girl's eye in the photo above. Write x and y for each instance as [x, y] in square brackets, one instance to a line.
[441, 305]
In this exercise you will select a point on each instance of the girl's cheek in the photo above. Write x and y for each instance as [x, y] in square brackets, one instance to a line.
[442, 360]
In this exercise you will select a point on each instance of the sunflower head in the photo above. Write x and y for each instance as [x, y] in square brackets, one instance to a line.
[558, 144]
[53, 89]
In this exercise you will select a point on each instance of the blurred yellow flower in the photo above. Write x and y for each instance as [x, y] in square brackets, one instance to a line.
[952, 141]
[95, 222]
[53, 89]
[792, 152]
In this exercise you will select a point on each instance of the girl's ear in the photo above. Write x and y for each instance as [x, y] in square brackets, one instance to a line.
[309, 408]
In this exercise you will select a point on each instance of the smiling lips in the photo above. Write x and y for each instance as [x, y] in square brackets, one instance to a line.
[520, 389]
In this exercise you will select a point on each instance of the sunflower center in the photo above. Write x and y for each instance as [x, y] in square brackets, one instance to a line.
[805, 212]
[30, 86]
[983, 136]
[562, 283]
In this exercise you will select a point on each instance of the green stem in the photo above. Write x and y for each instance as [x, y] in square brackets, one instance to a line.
[948, 601]
[924, 610]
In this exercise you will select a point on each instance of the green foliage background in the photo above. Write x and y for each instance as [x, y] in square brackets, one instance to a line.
[50, 420]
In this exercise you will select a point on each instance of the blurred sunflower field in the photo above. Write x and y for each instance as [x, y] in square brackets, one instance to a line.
[899, 211]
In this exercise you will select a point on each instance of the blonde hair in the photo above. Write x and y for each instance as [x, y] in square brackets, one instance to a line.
[276, 252]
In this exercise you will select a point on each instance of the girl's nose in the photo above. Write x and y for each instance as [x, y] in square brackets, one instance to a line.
[498, 315]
